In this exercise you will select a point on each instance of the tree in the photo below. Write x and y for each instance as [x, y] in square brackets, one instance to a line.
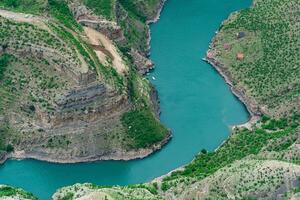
[11, 3]
[9, 148]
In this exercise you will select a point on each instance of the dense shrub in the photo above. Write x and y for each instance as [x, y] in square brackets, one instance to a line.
[101, 7]
[143, 128]
[59, 9]
[243, 143]
[4, 60]
[7, 191]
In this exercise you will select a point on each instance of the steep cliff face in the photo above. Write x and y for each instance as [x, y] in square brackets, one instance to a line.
[63, 84]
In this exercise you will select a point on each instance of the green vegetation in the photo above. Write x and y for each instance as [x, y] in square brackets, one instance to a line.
[4, 60]
[132, 9]
[292, 194]
[59, 9]
[68, 196]
[274, 124]
[27, 6]
[143, 128]
[4, 132]
[7, 191]
[134, 27]
[243, 143]
[76, 42]
[104, 8]
[58, 141]
[269, 71]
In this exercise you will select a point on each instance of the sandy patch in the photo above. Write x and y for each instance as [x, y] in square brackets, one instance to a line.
[21, 17]
[105, 50]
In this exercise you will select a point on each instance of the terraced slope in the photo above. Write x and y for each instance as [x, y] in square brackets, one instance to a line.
[64, 80]
[257, 50]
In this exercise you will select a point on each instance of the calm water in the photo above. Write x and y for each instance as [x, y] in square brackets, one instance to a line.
[195, 102]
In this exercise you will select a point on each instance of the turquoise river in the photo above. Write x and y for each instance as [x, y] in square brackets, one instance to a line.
[196, 104]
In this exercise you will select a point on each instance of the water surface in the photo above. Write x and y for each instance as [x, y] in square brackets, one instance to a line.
[195, 102]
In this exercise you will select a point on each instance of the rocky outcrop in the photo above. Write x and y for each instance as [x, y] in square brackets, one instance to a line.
[155, 101]
[109, 29]
[155, 14]
[3, 157]
[91, 113]
[87, 18]
[64, 63]
[142, 63]
[114, 32]
[93, 152]
[88, 104]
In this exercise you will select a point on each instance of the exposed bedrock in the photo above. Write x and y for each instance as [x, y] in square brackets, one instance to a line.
[86, 17]
[63, 63]
[142, 63]
[85, 126]
[3, 156]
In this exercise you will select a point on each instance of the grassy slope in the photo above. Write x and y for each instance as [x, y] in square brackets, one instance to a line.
[104, 8]
[28, 6]
[269, 72]
[259, 162]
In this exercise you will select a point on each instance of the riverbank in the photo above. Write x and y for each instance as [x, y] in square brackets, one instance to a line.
[251, 105]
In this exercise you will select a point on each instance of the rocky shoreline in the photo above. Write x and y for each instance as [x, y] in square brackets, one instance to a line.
[3, 157]
[121, 155]
[154, 20]
[252, 106]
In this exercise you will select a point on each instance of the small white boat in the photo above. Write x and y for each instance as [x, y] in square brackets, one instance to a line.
[153, 78]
